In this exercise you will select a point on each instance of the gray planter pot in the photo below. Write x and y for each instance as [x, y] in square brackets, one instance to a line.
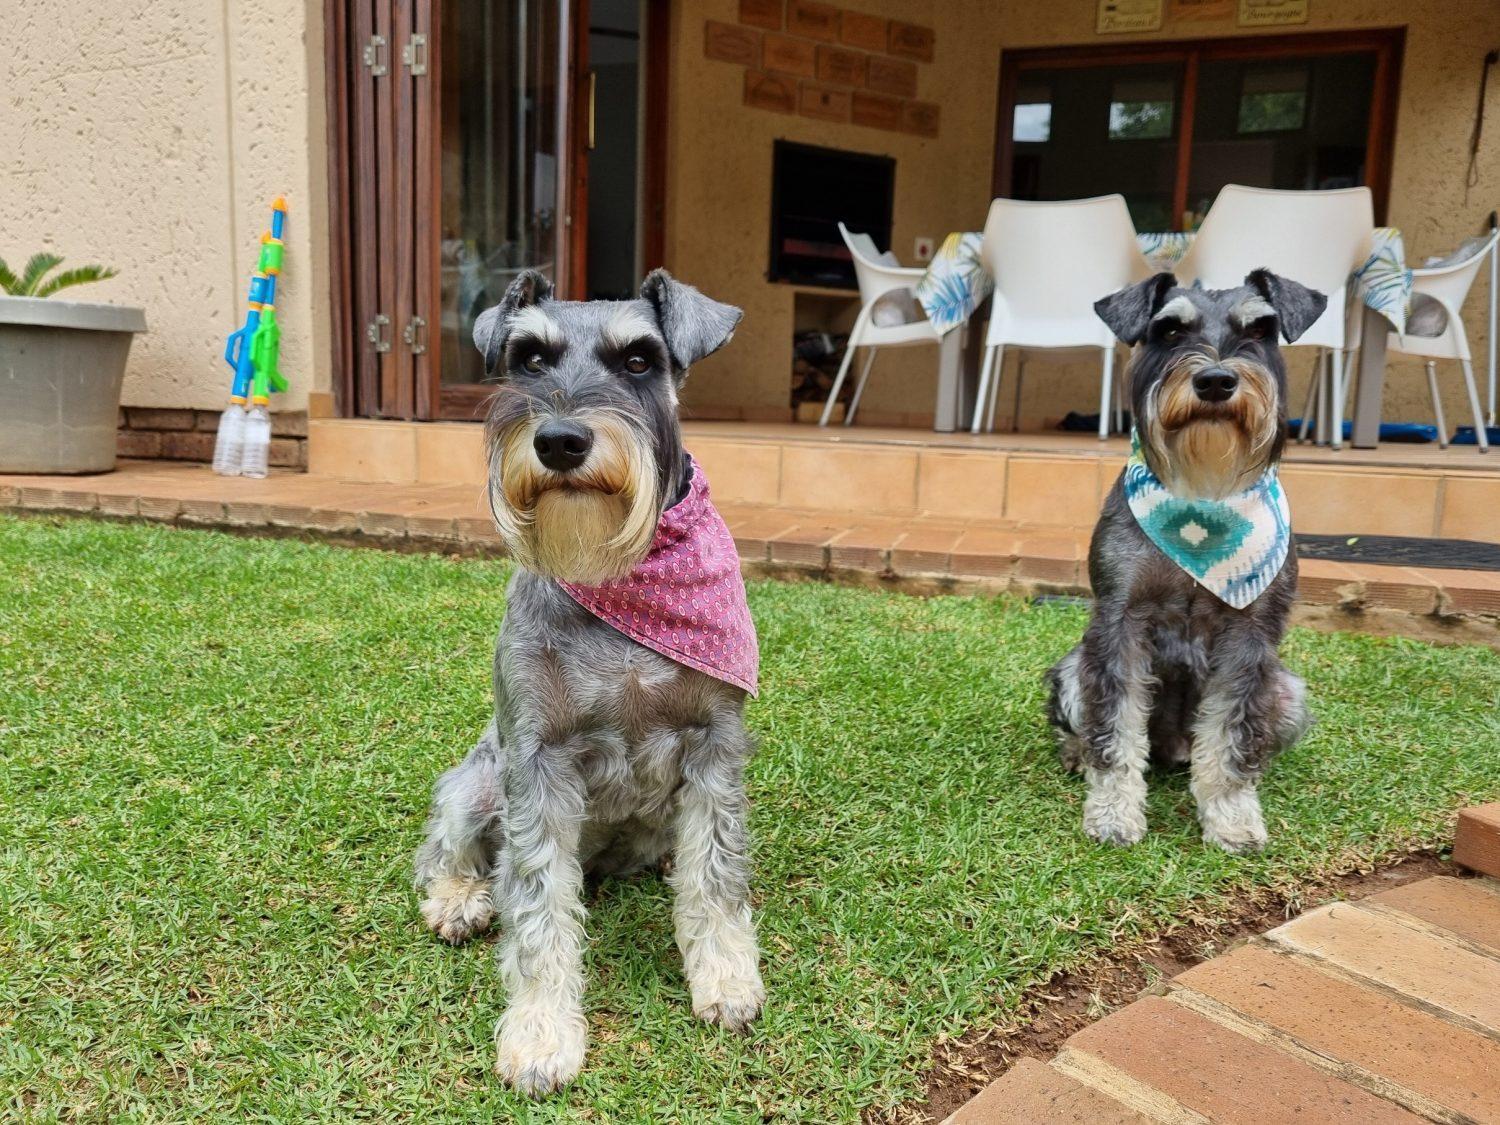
[61, 365]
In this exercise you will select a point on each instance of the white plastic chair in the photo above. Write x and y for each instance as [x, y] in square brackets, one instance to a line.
[1449, 286]
[876, 278]
[1317, 238]
[1051, 261]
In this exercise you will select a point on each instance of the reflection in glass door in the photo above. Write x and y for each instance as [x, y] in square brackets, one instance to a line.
[500, 114]
[1166, 124]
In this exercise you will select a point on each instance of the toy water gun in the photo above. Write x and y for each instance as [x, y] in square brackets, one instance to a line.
[252, 353]
[252, 350]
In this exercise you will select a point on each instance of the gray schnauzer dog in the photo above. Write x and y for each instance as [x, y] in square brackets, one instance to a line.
[1167, 670]
[603, 755]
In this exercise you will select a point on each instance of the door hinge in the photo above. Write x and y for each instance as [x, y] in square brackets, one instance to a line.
[375, 333]
[414, 55]
[415, 335]
[375, 56]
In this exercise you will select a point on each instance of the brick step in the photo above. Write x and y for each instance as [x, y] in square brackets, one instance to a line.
[923, 553]
[1477, 845]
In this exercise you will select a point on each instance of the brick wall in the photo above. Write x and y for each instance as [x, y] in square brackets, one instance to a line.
[188, 435]
[828, 63]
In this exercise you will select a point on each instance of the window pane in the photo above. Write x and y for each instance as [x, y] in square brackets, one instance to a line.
[1273, 99]
[1069, 133]
[1293, 124]
[499, 161]
[1033, 121]
[1141, 111]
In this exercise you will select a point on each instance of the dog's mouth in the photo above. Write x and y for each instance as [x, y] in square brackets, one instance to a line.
[588, 524]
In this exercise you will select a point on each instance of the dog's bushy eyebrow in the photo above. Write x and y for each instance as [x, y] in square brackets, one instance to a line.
[1180, 310]
[1248, 311]
[612, 349]
[525, 343]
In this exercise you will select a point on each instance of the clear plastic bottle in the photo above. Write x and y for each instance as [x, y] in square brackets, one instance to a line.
[257, 442]
[229, 446]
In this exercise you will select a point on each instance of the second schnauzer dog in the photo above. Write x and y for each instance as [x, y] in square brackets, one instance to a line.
[621, 671]
[1192, 565]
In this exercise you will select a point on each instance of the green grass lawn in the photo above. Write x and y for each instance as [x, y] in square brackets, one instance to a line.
[215, 755]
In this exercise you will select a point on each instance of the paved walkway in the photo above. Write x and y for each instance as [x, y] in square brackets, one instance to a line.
[921, 552]
[1387, 1009]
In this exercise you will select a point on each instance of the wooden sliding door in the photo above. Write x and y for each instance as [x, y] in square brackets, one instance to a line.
[464, 132]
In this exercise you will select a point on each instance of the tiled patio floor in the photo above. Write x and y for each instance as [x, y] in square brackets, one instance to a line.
[1387, 1009]
[924, 551]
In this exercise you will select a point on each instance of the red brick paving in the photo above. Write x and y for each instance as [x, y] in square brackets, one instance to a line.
[1387, 1010]
[1357, 1024]
[1032, 1092]
[1209, 1069]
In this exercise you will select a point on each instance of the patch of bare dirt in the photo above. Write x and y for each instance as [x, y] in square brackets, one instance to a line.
[1053, 1011]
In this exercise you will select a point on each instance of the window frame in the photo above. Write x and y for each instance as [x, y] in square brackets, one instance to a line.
[1387, 44]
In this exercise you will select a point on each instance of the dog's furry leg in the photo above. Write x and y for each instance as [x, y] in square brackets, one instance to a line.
[711, 877]
[1065, 709]
[455, 864]
[540, 1037]
[1115, 675]
[1250, 713]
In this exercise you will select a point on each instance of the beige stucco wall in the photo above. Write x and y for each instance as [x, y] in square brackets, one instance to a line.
[720, 169]
[152, 135]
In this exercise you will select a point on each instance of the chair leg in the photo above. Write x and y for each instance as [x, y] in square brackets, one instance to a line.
[1106, 385]
[1437, 404]
[1015, 406]
[992, 357]
[997, 383]
[1312, 393]
[838, 384]
[1336, 397]
[859, 387]
[1320, 430]
[1479, 435]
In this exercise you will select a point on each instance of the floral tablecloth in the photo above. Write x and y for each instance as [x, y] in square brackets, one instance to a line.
[956, 282]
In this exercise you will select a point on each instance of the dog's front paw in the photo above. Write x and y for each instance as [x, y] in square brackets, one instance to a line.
[1236, 826]
[1110, 823]
[539, 1050]
[731, 1002]
[457, 907]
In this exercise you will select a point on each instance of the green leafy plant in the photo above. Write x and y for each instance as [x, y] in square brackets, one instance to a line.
[34, 282]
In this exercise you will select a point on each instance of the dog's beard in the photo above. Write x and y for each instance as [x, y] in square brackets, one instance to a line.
[1202, 450]
[588, 526]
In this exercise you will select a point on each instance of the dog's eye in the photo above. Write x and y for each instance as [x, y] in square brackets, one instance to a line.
[533, 362]
[637, 365]
[1172, 335]
[1257, 331]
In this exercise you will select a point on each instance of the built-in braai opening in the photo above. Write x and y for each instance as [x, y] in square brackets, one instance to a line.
[814, 189]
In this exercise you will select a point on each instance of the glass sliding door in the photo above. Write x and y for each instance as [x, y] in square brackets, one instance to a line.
[501, 110]
[1168, 124]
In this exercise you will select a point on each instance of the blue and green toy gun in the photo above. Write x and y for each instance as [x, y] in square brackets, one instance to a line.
[252, 352]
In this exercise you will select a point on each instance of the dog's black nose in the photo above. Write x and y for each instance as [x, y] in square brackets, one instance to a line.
[1215, 384]
[562, 446]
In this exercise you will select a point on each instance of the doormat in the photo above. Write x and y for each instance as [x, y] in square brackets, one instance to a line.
[1399, 550]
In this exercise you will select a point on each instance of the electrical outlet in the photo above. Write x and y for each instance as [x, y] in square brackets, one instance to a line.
[924, 249]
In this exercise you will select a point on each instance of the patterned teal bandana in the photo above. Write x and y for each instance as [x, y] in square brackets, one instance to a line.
[1232, 547]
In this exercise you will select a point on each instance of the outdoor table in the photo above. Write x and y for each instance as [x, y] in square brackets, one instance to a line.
[956, 284]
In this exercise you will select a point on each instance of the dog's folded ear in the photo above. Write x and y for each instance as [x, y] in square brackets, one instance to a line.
[1128, 312]
[492, 326]
[693, 325]
[1297, 307]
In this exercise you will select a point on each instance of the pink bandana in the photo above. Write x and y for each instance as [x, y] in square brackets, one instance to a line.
[686, 599]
